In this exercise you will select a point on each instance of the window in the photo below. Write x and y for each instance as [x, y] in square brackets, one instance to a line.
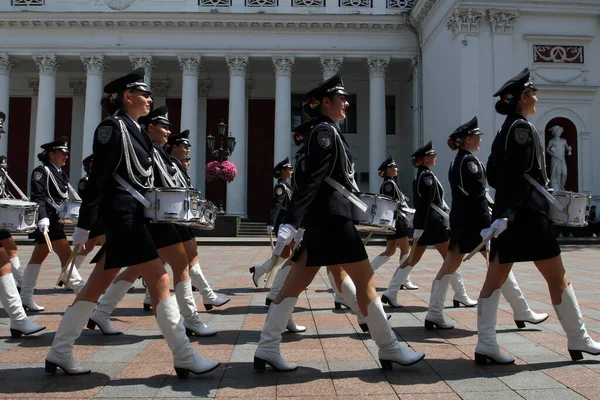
[28, 2]
[390, 115]
[300, 117]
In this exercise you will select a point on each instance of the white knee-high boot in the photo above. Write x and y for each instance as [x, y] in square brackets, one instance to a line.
[390, 296]
[487, 348]
[187, 305]
[460, 292]
[101, 315]
[571, 320]
[349, 294]
[15, 267]
[209, 297]
[20, 324]
[338, 299]
[435, 315]
[521, 311]
[270, 337]
[407, 283]
[185, 359]
[71, 325]
[30, 276]
[147, 301]
[278, 282]
[259, 270]
[379, 261]
[390, 350]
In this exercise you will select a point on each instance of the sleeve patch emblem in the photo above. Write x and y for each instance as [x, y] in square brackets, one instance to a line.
[278, 191]
[522, 135]
[428, 180]
[473, 167]
[325, 139]
[104, 134]
[37, 176]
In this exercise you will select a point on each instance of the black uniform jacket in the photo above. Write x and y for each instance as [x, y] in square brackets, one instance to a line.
[106, 194]
[315, 198]
[171, 169]
[427, 190]
[184, 173]
[282, 195]
[391, 189]
[516, 150]
[83, 185]
[470, 208]
[43, 188]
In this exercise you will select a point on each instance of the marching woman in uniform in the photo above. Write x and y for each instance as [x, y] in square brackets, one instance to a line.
[470, 214]
[97, 232]
[123, 165]
[20, 324]
[323, 205]
[388, 170]
[49, 187]
[430, 227]
[178, 146]
[166, 238]
[522, 229]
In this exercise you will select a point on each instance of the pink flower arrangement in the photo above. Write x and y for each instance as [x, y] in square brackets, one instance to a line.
[215, 170]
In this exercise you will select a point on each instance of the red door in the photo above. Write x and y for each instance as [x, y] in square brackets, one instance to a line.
[174, 106]
[217, 110]
[63, 112]
[19, 118]
[261, 132]
[570, 135]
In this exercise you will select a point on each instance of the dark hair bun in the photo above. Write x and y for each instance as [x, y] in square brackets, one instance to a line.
[452, 144]
[504, 108]
[108, 106]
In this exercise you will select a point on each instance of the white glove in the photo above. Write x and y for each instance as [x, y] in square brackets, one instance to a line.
[44, 225]
[484, 234]
[284, 237]
[499, 226]
[298, 238]
[417, 233]
[269, 229]
[80, 236]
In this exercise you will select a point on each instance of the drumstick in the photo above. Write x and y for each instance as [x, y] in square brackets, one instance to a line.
[366, 240]
[413, 249]
[48, 243]
[271, 240]
[64, 268]
[74, 255]
[271, 269]
[479, 247]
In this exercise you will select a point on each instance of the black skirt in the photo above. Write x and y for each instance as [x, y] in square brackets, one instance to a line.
[55, 232]
[331, 240]
[529, 237]
[97, 230]
[435, 233]
[164, 234]
[185, 233]
[403, 229]
[128, 241]
[5, 235]
[466, 241]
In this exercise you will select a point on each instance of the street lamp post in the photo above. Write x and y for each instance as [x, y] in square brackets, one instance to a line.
[221, 153]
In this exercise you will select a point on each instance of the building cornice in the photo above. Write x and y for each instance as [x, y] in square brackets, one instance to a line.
[565, 7]
[204, 22]
[421, 10]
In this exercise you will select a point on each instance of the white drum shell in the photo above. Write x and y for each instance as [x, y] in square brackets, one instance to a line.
[167, 204]
[18, 215]
[68, 211]
[380, 215]
[575, 209]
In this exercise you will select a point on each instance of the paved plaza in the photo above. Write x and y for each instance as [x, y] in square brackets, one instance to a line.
[336, 360]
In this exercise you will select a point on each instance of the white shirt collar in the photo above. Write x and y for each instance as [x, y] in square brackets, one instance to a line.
[54, 165]
[134, 121]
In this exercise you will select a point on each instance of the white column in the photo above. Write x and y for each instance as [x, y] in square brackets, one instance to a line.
[331, 65]
[6, 65]
[237, 190]
[92, 115]
[144, 61]
[44, 130]
[377, 127]
[199, 163]
[416, 108]
[76, 146]
[159, 92]
[190, 66]
[283, 106]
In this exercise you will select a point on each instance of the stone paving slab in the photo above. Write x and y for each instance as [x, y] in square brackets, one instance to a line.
[337, 360]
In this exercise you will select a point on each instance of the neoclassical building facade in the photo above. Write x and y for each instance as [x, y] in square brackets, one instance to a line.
[414, 70]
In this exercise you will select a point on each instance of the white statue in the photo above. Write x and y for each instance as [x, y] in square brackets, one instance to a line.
[558, 167]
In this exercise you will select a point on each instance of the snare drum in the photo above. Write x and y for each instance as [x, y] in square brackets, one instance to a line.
[195, 210]
[18, 215]
[575, 209]
[167, 204]
[68, 212]
[380, 215]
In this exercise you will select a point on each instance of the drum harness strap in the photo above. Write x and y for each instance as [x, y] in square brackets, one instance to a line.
[167, 179]
[404, 208]
[64, 195]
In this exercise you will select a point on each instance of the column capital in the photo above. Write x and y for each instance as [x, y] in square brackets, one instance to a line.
[142, 61]
[190, 64]
[94, 63]
[160, 87]
[331, 65]
[34, 85]
[78, 86]
[237, 65]
[47, 63]
[503, 20]
[465, 20]
[6, 63]
[377, 66]
[204, 87]
[284, 65]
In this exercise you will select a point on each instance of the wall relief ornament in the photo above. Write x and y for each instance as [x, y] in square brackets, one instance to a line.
[503, 20]
[558, 54]
[331, 65]
[119, 5]
[464, 20]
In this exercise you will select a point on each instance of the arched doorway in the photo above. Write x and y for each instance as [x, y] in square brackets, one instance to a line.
[570, 135]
